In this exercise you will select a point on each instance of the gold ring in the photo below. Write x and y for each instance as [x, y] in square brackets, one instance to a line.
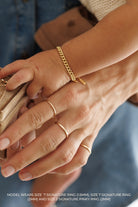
[63, 128]
[52, 107]
[86, 147]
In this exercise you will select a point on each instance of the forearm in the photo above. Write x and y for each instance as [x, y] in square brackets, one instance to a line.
[111, 40]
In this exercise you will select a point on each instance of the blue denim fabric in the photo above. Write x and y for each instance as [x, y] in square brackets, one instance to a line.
[113, 165]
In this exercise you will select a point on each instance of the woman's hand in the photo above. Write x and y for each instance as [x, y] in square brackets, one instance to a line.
[45, 71]
[81, 110]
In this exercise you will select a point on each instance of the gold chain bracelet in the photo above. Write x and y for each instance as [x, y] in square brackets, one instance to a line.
[67, 67]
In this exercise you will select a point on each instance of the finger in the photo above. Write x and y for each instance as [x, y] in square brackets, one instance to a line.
[12, 128]
[33, 119]
[12, 68]
[24, 141]
[13, 149]
[46, 92]
[62, 155]
[22, 76]
[16, 146]
[32, 153]
[34, 89]
[37, 116]
[79, 160]
[21, 144]
[22, 110]
[30, 120]
[44, 144]
[28, 138]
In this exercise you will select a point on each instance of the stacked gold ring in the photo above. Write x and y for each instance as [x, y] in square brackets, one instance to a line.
[54, 116]
[86, 147]
[63, 128]
[52, 107]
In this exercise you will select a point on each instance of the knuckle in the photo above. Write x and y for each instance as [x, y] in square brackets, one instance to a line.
[36, 119]
[70, 96]
[82, 161]
[48, 146]
[67, 156]
[18, 78]
[84, 112]
[64, 171]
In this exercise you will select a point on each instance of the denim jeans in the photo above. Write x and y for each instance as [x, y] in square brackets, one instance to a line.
[113, 165]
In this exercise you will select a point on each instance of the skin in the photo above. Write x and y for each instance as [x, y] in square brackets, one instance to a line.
[49, 183]
[54, 184]
[100, 55]
[16, 147]
[113, 39]
[77, 106]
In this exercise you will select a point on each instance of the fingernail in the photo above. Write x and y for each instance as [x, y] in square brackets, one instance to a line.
[52, 172]
[8, 171]
[26, 176]
[35, 96]
[15, 146]
[4, 143]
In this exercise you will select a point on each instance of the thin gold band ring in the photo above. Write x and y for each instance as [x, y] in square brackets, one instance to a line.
[86, 147]
[52, 107]
[63, 128]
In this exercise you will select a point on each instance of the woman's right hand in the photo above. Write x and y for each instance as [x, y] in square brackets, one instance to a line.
[81, 110]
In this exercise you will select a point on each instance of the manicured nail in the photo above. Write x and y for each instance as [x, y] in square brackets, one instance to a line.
[34, 96]
[8, 171]
[4, 143]
[15, 146]
[26, 176]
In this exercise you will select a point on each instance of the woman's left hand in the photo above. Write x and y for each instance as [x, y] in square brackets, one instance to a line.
[81, 111]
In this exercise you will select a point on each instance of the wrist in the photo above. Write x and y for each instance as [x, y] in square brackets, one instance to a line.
[116, 83]
[76, 56]
[68, 68]
[126, 83]
[130, 68]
